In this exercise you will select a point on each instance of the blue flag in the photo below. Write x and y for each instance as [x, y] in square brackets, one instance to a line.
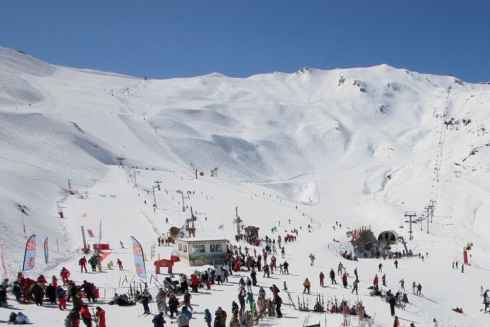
[139, 259]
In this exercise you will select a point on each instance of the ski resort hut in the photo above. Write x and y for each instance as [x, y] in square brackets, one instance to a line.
[202, 251]
[252, 234]
[387, 238]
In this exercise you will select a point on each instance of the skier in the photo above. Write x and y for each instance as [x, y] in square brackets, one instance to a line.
[340, 268]
[286, 267]
[355, 287]
[396, 323]
[322, 278]
[312, 259]
[332, 277]
[100, 317]
[383, 280]
[306, 285]
[173, 303]
[419, 289]
[396, 264]
[380, 267]
[344, 280]
[120, 264]
[402, 284]
[83, 264]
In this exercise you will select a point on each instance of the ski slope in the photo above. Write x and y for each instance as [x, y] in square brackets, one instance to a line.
[358, 146]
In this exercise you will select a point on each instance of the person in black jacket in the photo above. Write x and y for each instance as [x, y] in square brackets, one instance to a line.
[37, 292]
[278, 303]
[158, 320]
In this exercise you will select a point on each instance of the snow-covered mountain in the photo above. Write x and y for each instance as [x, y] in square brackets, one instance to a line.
[345, 140]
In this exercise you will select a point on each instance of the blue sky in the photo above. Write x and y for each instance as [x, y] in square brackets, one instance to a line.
[167, 38]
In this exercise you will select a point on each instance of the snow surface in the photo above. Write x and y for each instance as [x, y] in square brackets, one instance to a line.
[352, 145]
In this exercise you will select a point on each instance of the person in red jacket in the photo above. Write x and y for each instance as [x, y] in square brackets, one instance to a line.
[376, 282]
[65, 275]
[86, 316]
[194, 283]
[100, 315]
[83, 264]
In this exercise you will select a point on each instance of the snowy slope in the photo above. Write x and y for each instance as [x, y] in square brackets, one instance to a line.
[358, 145]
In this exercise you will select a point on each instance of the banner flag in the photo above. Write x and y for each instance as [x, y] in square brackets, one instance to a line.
[46, 250]
[30, 254]
[139, 258]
